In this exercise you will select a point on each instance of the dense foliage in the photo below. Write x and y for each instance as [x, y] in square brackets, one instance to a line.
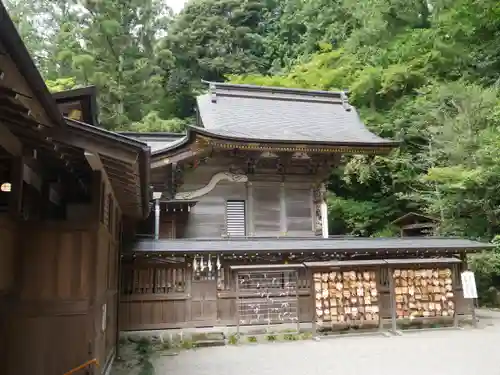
[424, 72]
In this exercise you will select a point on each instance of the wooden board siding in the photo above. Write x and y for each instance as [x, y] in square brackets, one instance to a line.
[298, 212]
[106, 292]
[56, 262]
[167, 225]
[47, 345]
[154, 296]
[51, 316]
[200, 304]
[207, 217]
[266, 214]
[204, 302]
[7, 250]
[68, 271]
[275, 205]
[195, 308]
[8, 235]
[137, 313]
[226, 310]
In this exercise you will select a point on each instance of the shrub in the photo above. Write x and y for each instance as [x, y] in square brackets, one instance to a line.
[486, 266]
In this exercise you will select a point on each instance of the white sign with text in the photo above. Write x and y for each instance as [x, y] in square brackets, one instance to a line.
[469, 285]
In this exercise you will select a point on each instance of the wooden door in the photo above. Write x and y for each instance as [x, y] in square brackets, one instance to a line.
[204, 302]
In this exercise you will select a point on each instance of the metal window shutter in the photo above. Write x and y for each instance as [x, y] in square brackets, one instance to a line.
[235, 218]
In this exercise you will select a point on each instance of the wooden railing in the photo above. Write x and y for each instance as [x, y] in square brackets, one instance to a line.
[83, 365]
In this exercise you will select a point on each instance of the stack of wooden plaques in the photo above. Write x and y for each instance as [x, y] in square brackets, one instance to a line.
[423, 293]
[348, 298]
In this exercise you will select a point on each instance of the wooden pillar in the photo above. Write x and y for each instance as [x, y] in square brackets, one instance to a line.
[324, 212]
[314, 325]
[463, 266]
[392, 293]
[119, 244]
[250, 210]
[156, 197]
[283, 214]
[157, 219]
[313, 209]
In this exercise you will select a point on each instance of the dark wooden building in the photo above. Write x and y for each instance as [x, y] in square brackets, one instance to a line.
[414, 224]
[78, 104]
[238, 233]
[67, 188]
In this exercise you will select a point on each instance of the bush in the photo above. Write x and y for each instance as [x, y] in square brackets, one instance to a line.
[486, 266]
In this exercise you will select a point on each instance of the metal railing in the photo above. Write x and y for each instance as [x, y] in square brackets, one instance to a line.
[82, 366]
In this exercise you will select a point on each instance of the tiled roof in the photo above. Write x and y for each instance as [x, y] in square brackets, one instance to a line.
[281, 114]
[348, 244]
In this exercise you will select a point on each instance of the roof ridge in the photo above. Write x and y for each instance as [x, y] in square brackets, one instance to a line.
[276, 89]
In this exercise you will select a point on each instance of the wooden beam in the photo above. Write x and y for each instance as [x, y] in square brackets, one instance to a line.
[10, 142]
[96, 165]
[117, 163]
[14, 80]
[186, 154]
[128, 180]
[96, 147]
[124, 187]
[32, 178]
[112, 169]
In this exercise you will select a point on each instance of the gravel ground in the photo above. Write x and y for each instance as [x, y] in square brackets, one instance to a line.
[461, 352]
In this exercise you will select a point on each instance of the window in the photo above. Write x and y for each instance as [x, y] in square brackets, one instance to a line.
[235, 218]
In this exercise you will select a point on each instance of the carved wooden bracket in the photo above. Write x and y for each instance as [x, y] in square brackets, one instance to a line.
[216, 178]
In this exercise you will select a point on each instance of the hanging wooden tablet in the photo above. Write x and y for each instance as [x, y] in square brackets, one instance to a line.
[431, 286]
[347, 297]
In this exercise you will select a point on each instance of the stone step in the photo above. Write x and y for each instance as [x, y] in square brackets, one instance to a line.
[209, 343]
[206, 336]
[208, 339]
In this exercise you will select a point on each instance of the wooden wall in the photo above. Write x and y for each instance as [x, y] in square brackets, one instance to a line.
[154, 295]
[207, 217]
[8, 237]
[299, 211]
[273, 207]
[105, 308]
[63, 309]
[266, 213]
[49, 318]
[8, 233]
[145, 306]
[144, 312]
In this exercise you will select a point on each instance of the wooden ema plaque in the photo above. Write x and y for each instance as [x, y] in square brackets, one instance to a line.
[346, 298]
[423, 293]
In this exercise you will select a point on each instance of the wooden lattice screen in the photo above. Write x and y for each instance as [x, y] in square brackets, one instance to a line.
[154, 280]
